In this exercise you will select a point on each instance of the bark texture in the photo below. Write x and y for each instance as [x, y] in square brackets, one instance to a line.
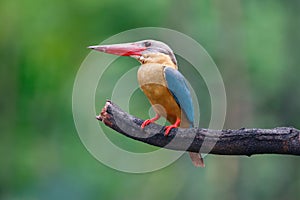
[244, 141]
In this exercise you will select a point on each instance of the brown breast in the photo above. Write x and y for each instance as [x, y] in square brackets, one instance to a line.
[153, 84]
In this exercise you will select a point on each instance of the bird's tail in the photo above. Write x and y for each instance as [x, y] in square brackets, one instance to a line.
[197, 159]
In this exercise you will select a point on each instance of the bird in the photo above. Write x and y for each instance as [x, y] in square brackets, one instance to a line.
[164, 86]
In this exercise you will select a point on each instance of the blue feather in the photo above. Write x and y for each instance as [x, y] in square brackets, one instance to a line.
[178, 87]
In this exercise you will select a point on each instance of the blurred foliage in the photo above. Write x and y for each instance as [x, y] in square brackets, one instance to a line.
[254, 43]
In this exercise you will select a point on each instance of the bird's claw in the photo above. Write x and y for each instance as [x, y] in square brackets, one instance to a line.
[169, 128]
[149, 121]
[146, 123]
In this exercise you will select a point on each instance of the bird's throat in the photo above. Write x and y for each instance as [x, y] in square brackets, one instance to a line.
[159, 59]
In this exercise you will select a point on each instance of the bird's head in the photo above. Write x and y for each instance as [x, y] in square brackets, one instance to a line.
[146, 51]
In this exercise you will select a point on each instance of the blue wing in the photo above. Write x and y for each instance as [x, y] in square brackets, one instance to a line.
[178, 87]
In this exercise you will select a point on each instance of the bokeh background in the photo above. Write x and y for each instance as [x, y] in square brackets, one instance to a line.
[255, 45]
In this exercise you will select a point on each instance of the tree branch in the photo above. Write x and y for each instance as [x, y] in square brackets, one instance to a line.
[281, 140]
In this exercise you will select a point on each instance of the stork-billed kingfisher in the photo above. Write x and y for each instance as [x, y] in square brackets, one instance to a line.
[162, 83]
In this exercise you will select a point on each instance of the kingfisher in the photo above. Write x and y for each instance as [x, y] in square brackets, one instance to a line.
[162, 83]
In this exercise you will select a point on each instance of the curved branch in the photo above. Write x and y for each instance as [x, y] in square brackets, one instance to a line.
[281, 140]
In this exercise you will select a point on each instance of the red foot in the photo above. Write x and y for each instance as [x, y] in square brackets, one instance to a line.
[169, 128]
[149, 121]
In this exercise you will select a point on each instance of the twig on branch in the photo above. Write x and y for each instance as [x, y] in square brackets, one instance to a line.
[281, 140]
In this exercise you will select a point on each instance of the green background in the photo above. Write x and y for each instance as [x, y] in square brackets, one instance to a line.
[254, 43]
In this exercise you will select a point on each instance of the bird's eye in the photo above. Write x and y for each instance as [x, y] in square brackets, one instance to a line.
[147, 44]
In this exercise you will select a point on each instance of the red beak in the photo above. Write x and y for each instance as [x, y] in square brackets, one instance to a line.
[126, 49]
